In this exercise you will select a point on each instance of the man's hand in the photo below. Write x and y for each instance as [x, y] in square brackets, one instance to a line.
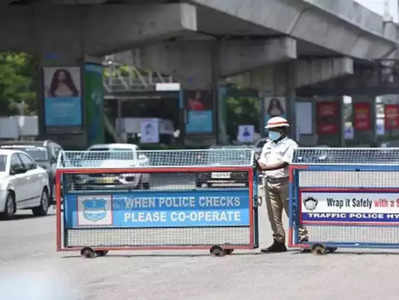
[270, 167]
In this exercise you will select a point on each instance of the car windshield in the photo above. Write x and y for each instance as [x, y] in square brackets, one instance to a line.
[111, 153]
[3, 159]
[38, 154]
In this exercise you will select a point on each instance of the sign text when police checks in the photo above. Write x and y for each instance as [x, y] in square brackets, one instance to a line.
[201, 209]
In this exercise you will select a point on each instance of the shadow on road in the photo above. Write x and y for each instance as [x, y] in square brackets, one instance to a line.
[26, 216]
[351, 252]
[183, 255]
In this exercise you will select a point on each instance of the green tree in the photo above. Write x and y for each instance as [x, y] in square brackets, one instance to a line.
[18, 81]
[242, 111]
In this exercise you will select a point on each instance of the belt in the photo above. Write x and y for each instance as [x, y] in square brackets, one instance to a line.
[276, 180]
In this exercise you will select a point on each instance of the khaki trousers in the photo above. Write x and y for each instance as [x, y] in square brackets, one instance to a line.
[276, 201]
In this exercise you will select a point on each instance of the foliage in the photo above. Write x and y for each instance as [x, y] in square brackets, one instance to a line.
[18, 81]
[242, 111]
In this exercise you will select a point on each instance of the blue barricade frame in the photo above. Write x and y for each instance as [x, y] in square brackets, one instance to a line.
[362, 213]
[214, 214]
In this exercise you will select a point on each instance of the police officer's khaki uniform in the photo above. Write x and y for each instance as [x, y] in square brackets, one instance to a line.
[276, 184]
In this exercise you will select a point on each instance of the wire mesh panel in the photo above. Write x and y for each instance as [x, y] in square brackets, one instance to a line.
[366, 156]
[196, 198]
[151, 159]
[346, 197]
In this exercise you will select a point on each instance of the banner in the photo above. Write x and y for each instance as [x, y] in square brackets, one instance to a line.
[62, 97]
[391, 112]
[149, 131]
[362, 116]
[327, 118]
[159, 209]
[246, 133]
[349, 206]
[200, 116]
[94, 101]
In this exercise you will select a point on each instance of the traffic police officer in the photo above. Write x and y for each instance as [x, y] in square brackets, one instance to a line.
[276, 155]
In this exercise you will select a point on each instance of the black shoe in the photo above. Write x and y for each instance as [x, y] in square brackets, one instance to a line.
[304, 239]
[275, 247]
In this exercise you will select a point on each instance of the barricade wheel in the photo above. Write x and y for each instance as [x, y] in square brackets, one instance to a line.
[217, 251]
[319, 249]
[101, 252]
[331, 249]
[88, 252]
[228, 251]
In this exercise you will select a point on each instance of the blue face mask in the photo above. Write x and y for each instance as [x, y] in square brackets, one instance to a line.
[274, 135]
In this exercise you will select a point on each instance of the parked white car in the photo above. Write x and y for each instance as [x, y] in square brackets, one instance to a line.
[114, 156]
[23, 184]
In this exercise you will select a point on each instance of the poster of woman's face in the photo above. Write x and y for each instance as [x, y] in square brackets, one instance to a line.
[275, 106]
[62, 97]
[198, 100]
[62, 82]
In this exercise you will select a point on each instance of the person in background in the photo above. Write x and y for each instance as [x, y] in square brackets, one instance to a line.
[276, 155]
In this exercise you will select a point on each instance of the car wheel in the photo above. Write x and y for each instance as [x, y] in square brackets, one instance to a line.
[146, 185]
[42, 209]
[10, 207]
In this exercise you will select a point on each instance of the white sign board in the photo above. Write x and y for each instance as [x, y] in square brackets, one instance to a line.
[9, 128]
[350, 206]
[246, 133]
[149, 131]
[304, 118]
[167, 87]
[28, 125]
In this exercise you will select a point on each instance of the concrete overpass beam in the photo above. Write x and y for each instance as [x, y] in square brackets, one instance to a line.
[318, 70]
[122, 27]
[189, 62]
[242, 56]
[94, 30]
[340, 26]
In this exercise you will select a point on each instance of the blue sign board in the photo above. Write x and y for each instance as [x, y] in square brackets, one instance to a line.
[63, 111]
[144, 209]
[199, 121]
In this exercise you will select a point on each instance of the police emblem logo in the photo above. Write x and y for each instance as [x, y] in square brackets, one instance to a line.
[94, 209]
[310, 203]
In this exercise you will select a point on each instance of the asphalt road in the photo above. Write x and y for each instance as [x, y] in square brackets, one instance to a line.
[30, 268]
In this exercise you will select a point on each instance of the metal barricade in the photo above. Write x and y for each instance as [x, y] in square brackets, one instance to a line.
[346, 197]
[180, 199]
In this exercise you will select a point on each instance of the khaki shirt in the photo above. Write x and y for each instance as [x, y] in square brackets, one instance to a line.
[282, 151]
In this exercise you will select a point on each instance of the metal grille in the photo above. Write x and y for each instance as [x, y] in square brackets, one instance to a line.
[144, 159]
[347, 156]
[158, 237]
[354, 234]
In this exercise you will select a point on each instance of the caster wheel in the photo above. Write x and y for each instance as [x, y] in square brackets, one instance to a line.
[331, 249]
[217, 251]
[87, 252]
[228, 251]
[101, 252]
[319, 249]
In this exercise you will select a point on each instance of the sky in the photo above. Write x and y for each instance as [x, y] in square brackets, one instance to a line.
[378, 6]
